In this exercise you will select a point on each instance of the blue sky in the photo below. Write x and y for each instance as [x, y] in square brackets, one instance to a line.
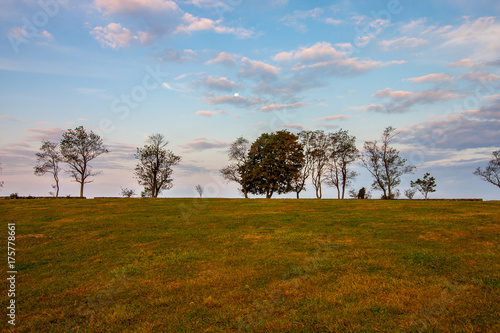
[203, 72]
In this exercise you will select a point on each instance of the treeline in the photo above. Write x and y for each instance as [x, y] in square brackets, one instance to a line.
[283, 162]
[275, 163]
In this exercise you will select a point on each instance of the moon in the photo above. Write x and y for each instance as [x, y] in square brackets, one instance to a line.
[236, 95]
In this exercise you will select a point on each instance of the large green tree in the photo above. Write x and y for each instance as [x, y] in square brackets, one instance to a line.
[491, 173]
[238, 171]
[78, 148]
[274, 161]
[385, 164]
[154, 169]
[48, 160]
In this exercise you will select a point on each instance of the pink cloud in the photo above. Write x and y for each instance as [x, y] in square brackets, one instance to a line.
[278, 107]
[210, 113]
[440, 77]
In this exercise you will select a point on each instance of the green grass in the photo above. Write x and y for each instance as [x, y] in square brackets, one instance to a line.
[222, 265]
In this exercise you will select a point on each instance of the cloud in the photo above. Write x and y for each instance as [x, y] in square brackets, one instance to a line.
[279, 107]
[210, 113]
[294, 126]
[330, 118]
[134, 6]
[171, 55]
[235, 100]
[224, 58]
[45, 134]
[482, 77]
[258, 69]
[402, 101]
[371, 107]
[432, 78]
[218, 83]
[193, 24]
[324, 58]
[200, 144]
[475, 64]
[402, 42]
[293, 20]
[468, 129]
[115, 36]
[9, 118]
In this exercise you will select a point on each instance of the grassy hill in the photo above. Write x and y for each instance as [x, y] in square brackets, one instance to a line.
[230, 265]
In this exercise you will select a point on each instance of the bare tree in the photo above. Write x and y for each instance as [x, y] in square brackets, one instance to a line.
[199, 189]
[127, 193]
[48, 162]
[410, 193]
[385, 164]
[299, 183]
[154, 169]
[238, 171]
[343, 153]
[320, 153]
[491, 173]
[78, 148]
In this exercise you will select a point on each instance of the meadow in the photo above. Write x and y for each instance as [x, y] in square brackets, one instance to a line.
[235, 265]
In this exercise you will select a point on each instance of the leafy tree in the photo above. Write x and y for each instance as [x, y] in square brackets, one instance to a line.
[362, 193]
[199, 189]
[426, 185]
[299, 182]
[410, 193]
[48, 162]
[320, 153]
[154, 169]
[491, 173]
[385, 165]
[238, 171]
[274, 161]
[127, 193]
[342, 154]
[78, 148]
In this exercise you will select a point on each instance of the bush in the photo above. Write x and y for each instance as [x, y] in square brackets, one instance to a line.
[14, 196]
[127, 193]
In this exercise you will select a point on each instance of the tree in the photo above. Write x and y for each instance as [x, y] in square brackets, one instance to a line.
[273, 162]
[78, 148]
[362, 193]
[410, 193]
[48, 162]
[320, 154]
[385, 165]
[299, 182]
[491, 173]
[199, 189]
[127, 193]
[238, 171]
[342, 154]
[1, 182]
[426, 185]
[154, 169]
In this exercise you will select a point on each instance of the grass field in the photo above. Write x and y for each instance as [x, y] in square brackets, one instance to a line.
[230, 265]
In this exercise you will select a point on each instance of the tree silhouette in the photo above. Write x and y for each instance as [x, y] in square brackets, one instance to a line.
[48, 162]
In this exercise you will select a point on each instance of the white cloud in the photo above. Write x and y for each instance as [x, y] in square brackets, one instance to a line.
[402, 42]
[278, 107]
[210, 113]
[224, 58]
[193, 24]
[258, 69]
[434, 78]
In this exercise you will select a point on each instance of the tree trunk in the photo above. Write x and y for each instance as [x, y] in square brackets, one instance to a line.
[298, 194]
[81, 188]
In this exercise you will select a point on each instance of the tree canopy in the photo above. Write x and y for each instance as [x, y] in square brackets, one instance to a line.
[273, 163]
[491, 173]
[78, 148]
[154, 169]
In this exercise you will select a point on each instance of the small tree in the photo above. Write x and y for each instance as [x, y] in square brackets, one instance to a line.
[154, 170]
[491, 173]
[48, 162]
[238, 170]
[362, 193]
[410, 193]
[127, 193]
[1, 182]
[199, 189]
[385, 164]
[78, 148]
[426, 185]
[320, 152]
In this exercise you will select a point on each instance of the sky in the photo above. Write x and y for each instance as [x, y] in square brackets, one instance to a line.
[204, 72]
